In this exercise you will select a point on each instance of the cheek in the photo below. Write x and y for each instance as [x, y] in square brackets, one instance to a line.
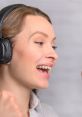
[27, 57]
[31, 55]
[22, 64]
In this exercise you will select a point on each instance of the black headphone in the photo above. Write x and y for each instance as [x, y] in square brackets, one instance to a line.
[5, 44]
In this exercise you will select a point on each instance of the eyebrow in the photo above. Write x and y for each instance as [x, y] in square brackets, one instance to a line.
[42, 33]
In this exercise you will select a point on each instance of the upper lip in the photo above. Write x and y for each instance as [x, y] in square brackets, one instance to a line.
[47, 64]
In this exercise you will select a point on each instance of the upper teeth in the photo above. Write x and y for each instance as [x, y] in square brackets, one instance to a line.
[44, 67]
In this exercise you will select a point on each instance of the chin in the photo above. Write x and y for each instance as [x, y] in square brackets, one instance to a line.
[42, 86]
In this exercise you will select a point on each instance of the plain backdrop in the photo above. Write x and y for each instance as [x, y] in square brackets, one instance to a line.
[65, 91]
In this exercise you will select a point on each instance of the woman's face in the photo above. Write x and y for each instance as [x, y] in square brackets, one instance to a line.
[33, 53]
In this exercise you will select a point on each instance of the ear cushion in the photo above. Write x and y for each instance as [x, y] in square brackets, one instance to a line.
[5, 44]
[5, 51]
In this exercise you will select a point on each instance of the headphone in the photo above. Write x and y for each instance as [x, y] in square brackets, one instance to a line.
[5, 43]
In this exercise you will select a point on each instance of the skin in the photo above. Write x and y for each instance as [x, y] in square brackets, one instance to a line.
[21, 76]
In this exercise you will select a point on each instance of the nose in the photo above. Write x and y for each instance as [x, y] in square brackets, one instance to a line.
[51, 54]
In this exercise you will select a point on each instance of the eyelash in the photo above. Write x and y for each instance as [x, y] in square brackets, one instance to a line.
[54, 47]
[41, 43]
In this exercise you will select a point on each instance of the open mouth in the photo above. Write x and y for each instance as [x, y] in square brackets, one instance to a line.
[43, 68]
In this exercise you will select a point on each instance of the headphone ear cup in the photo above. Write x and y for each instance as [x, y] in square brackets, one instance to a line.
[5, 44]
[5, 51]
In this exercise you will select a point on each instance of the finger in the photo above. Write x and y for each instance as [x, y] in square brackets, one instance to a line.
[16, 107]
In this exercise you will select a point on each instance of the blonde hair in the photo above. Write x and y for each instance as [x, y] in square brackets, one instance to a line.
[12, 23]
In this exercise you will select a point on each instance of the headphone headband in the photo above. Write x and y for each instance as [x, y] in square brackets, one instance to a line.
[5, 11]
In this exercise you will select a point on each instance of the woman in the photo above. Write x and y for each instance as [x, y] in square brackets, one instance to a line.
[31, 35]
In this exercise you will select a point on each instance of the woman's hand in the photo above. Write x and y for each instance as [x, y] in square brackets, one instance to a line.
[8, 105]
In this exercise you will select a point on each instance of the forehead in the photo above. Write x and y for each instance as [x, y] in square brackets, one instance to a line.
[38, 23]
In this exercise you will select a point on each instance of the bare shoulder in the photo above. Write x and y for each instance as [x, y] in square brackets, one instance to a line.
[48, 111]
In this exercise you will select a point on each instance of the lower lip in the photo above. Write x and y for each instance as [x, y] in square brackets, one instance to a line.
[44, 74]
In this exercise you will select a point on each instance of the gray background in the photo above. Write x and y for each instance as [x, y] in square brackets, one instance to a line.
[65, 90]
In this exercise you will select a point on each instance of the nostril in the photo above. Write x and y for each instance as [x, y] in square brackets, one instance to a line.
[51, 59]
